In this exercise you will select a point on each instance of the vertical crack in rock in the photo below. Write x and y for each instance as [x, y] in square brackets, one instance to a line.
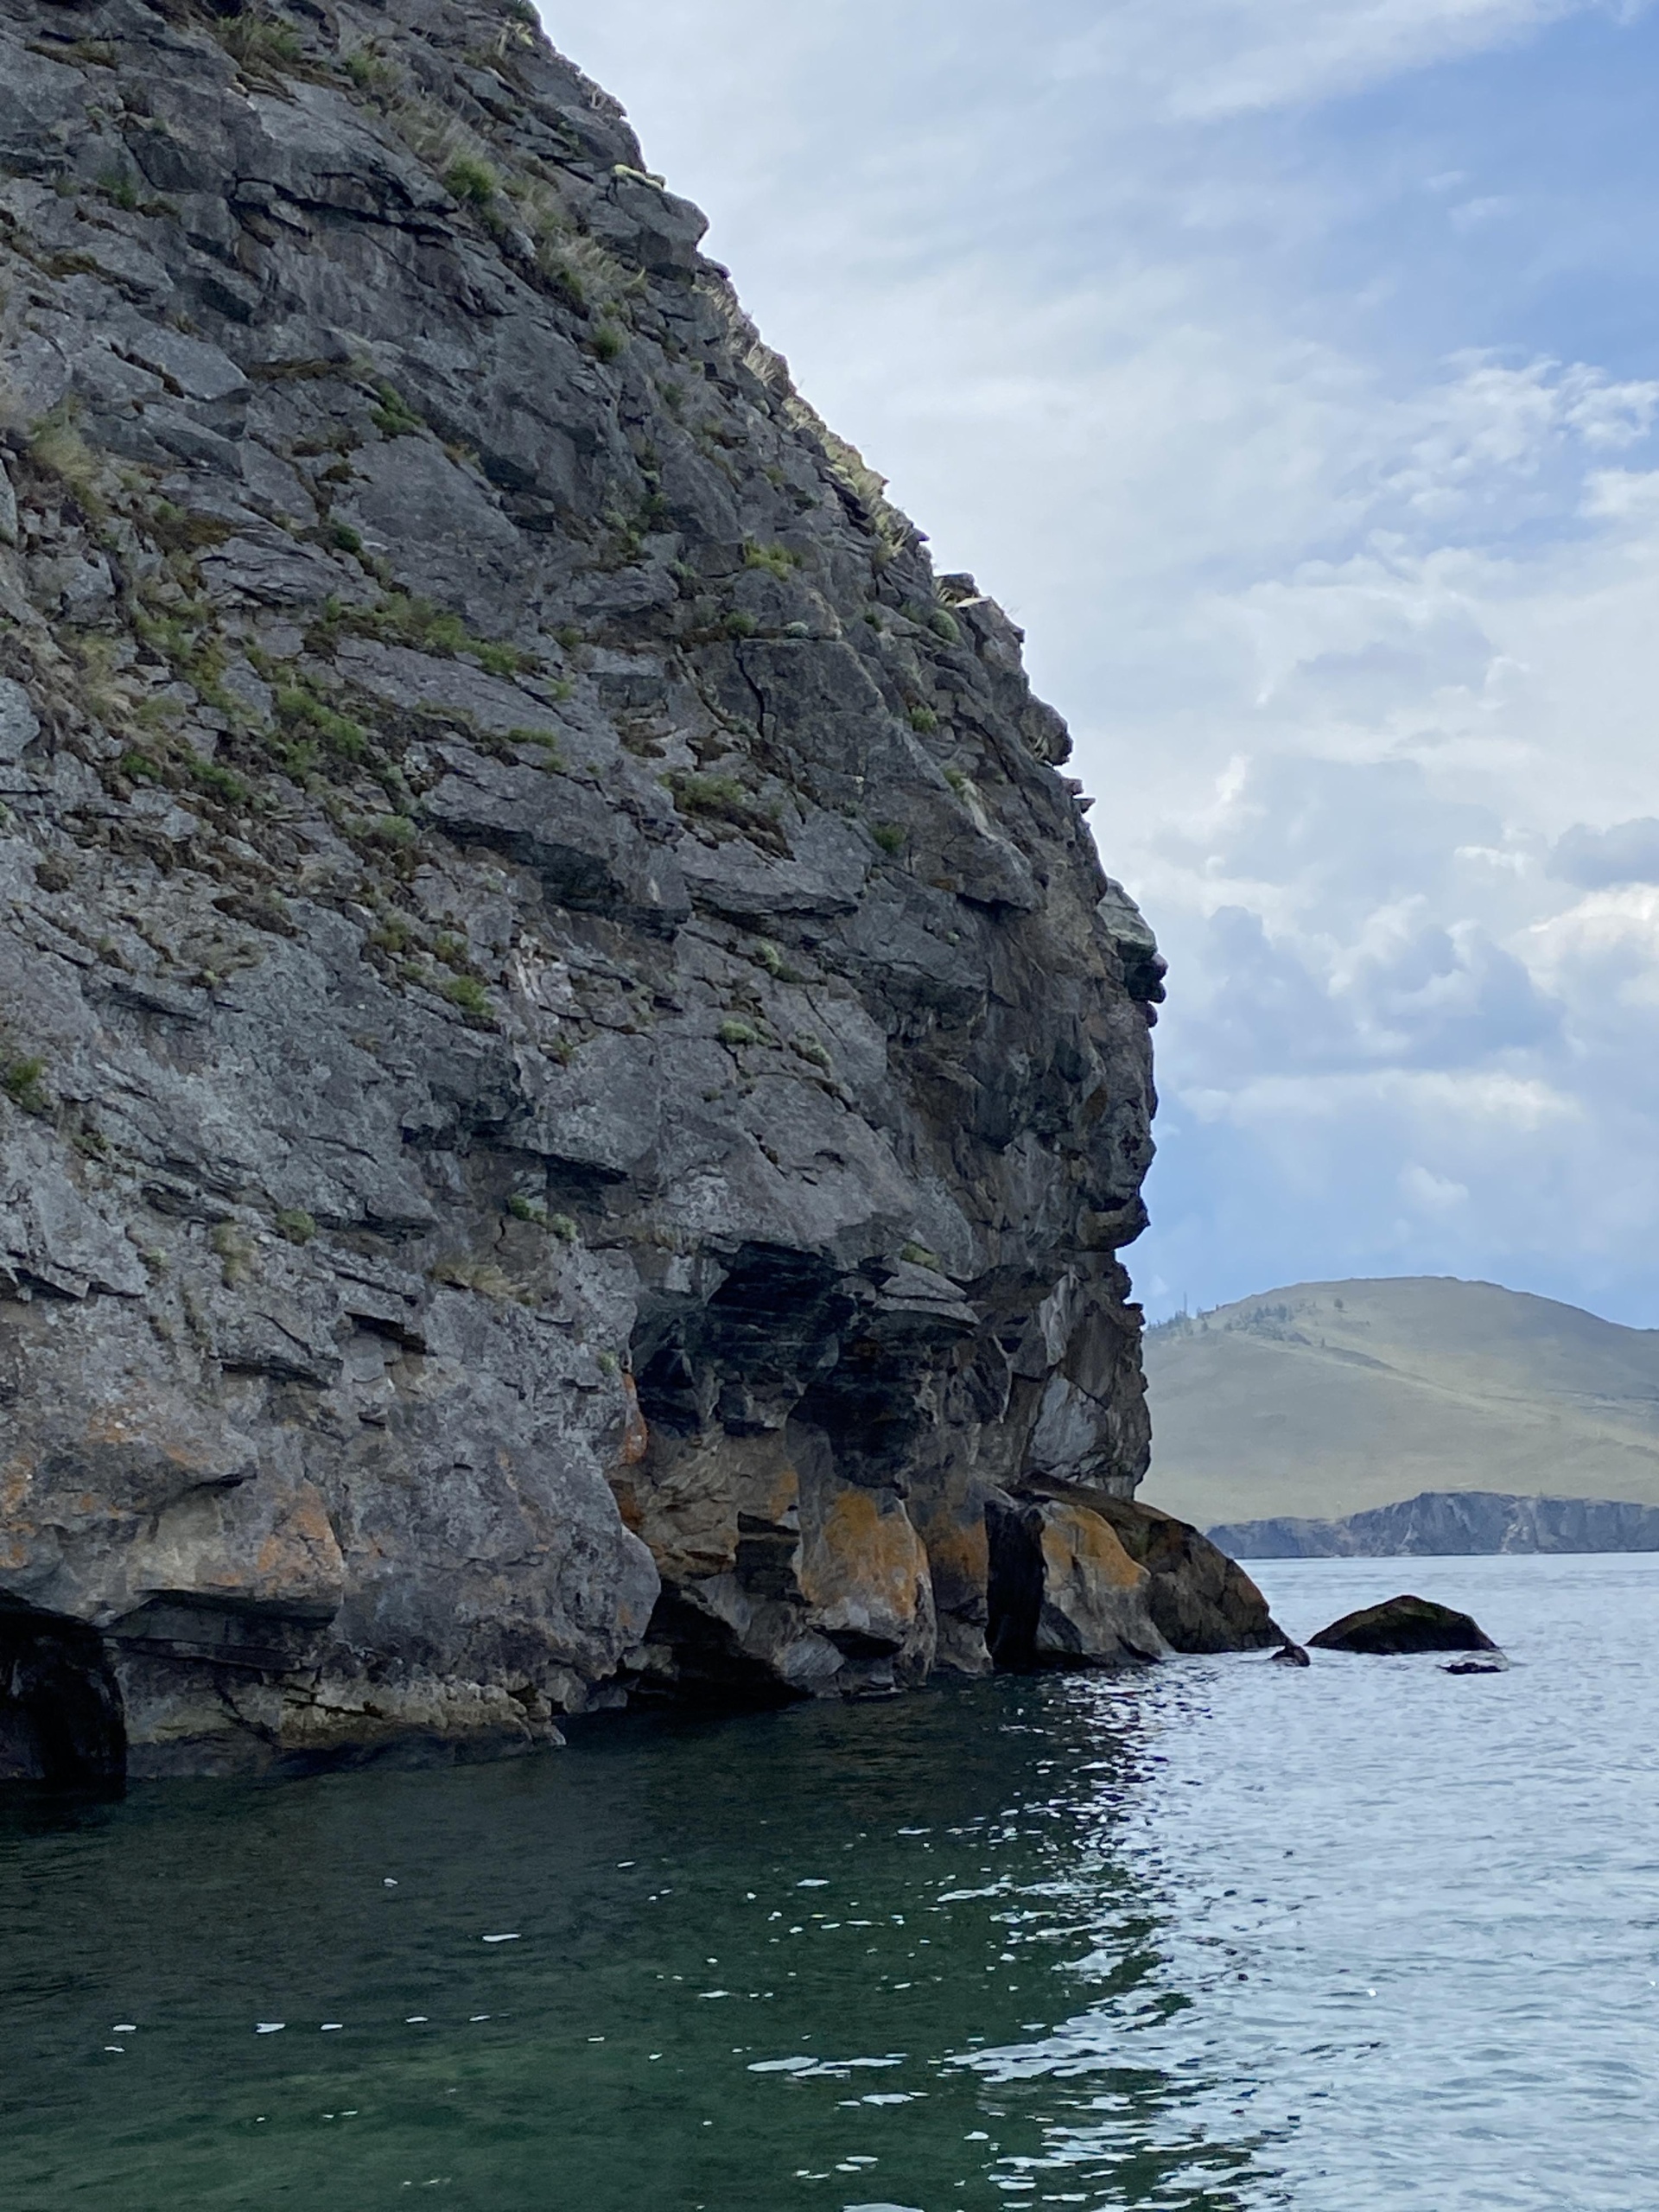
[570, 1083]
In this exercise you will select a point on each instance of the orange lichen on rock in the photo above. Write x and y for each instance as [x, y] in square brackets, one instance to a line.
[636, 1434]
[690, 1504]
[1077, 1543]
[864, 1574]
[268, 1543]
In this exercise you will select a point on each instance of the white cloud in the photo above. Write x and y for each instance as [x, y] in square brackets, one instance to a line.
[1608, 943]
[1469, 214]
[1351, 604]
[1427, 1192]
[1622, 494]
[1214, 58]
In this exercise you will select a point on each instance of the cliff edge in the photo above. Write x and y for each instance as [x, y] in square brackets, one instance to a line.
[570, 1083]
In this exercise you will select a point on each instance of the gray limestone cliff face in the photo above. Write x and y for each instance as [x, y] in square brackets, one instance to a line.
[570, 1083]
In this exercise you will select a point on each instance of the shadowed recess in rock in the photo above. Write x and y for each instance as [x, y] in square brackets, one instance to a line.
[61, 1719]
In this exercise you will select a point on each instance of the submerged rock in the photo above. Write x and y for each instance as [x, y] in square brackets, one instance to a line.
[1403, 1624]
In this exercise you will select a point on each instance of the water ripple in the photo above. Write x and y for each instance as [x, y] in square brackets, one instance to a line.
[1218, 1938]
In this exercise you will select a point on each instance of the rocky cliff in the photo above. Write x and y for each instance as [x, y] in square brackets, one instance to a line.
[571, 1085]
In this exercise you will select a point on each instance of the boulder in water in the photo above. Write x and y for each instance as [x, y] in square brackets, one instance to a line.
[1403, 1624]
[1079, 1577]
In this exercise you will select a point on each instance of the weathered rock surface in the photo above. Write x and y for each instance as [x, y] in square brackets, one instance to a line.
[1403, 1624]
[1064, 1590]
[1085, 1578]
[1201, 1600]
[571, 1084]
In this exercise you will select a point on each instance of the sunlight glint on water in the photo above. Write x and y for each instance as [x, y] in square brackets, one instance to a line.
[1222, 1936]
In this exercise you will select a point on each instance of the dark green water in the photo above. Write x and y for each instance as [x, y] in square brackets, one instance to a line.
[1222, 1937]
[746, 1956]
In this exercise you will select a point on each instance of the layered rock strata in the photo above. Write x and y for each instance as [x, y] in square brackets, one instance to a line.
[571, 1085]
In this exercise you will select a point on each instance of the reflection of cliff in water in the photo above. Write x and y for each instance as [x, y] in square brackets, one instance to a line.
[749, 1951]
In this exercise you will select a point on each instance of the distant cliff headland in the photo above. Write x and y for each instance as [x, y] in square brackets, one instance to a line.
[1416, 1413]
[571, 1085]
[1447, 1523]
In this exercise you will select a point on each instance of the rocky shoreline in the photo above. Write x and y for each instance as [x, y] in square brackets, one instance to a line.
[571, 1084]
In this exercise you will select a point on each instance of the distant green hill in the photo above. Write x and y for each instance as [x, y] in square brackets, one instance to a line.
[1329, 1398]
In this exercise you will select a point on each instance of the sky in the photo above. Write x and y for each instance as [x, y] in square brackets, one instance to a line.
[1289, 369]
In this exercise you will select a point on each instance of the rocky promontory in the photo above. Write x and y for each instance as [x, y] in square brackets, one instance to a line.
[1448, 1523]
[571, 1085]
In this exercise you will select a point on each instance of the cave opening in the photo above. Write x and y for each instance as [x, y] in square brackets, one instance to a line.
[61, 1721]
[1014, 1592]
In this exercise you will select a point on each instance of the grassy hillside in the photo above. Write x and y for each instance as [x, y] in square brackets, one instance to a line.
[1329, 1398]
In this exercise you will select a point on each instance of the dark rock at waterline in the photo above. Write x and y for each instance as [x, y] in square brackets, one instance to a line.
[60, 1708]
[1403, 1624]
[1291, 1655]
[1064, 1592]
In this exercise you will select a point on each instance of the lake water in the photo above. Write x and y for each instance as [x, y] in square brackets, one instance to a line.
[1219, 1936]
